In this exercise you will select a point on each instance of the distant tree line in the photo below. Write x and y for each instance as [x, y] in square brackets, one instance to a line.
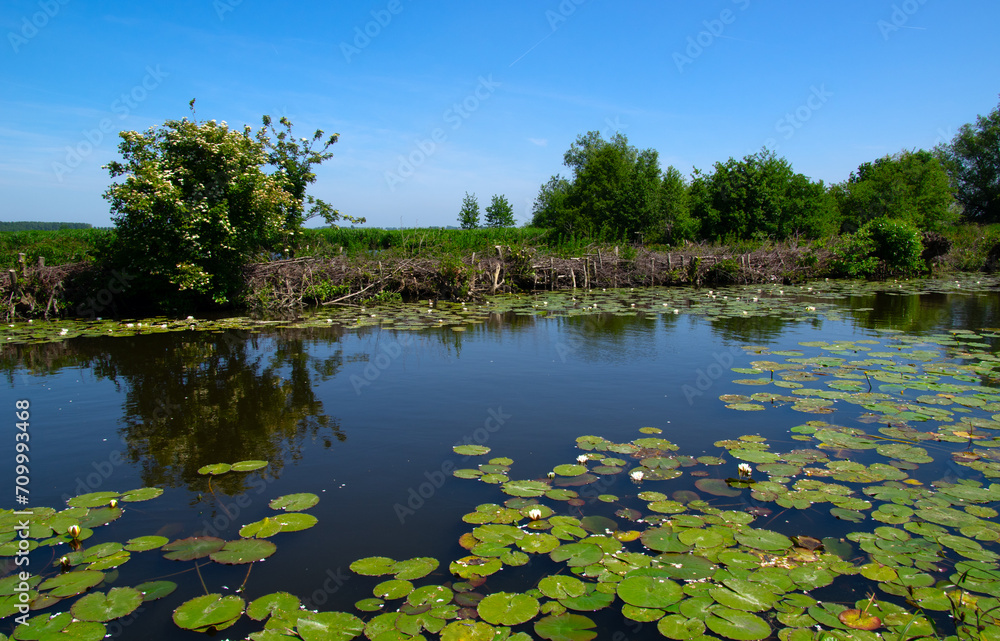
[28, 225]
[617, 192]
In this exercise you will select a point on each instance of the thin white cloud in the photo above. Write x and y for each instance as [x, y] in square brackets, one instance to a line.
[541, 142]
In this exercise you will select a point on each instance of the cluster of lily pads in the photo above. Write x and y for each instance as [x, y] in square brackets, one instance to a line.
[788, 302]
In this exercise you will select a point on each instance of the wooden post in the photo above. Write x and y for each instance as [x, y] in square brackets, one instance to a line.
[552, 273]
[41, 262]
[572, 274]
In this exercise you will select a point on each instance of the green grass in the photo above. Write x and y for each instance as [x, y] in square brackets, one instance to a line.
[427, 242]
[58, 247]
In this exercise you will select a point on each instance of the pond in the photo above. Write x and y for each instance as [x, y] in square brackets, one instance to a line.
[742, 463]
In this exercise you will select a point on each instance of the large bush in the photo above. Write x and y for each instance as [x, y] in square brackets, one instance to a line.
[883, 247]
[196, 204]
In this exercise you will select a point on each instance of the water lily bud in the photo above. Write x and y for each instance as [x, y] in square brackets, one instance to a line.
[113, 503]
[73, 531]
[64, 562]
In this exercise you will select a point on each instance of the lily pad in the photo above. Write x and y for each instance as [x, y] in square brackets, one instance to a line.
[209, 612]
[374, 566]
[294, 502]
[100, 607]
[649, 591]
[214, 469]
[71, 583]
[191, 548]
[471, 450]
[243, 551]
[566, 627]
[503, 608]
[328, 626]
[247, 466]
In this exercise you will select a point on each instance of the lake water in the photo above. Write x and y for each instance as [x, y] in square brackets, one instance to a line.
[365, 411]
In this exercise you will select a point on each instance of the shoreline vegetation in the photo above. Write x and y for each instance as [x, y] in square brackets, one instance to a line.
[50, 274]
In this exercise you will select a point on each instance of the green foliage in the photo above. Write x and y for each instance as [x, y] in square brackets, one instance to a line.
[499, 213]
[453, 279]
[881, 248]
[468, 217]
[57, 247]
[911, 186]
[196, 204]
[972, 160]
[675, 224]
[760, 197]
[614, 193]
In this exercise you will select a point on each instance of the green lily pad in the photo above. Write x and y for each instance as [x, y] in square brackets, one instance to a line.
[100, 607]
[525, 489]
[416, 568]
[247, 466]
[209, 612]
[191, 548]
[94, 499]
[468, 630]
[471, 450]
[214, 469]
[565, 627]
[71, 583]
[577, 554]
[716, 487]
[243, 551]
[153, 590]
[766, 540]
[328, 626]
[374, 566]
[263, 607]
[737, 625]
[392, 589]
[561, 586]
[145, 543]
[859, 620]
[142, 494]
[649, 591]
[294, 502]
[503, 608]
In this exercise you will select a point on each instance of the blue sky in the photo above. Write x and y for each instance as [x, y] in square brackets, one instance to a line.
[435, 99]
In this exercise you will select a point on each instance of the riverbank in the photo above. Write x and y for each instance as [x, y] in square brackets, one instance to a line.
[354, 267]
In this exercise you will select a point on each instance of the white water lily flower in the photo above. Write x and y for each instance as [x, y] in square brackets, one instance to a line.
[552, 475]
[582, 458]
[636, 475]
[534, 514]
[745, 469]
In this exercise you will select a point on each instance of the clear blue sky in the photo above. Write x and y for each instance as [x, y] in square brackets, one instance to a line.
[484, 97]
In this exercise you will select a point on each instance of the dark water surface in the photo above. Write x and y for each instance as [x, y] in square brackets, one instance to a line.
[367, 417]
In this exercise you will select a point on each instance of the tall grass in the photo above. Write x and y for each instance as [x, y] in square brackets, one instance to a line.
[429, 242]
[58, 247]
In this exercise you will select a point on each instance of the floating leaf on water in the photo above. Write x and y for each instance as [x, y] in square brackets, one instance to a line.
[94, 499]
[503, 608]
[100, 607]
[71, 583]
[374, 566]
[416, 568]
[525, 488]
[737, 625]
[209, 612]
[143, 494]
[766, 540]
[716, 487]
[248, 466]
[569, 470]
[294, 502]
[328, 626]
[393, 589]
[577, 554]
[243, 551]
[153, 590]
[649, 591]
[263, 607]
[191, 548]
[565, 627]
[144, 543]
[370, 605]
[471, 450]
[215, 469]
[859, 620]
[468, 630]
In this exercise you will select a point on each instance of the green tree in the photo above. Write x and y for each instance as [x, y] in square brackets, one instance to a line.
[499, 213]
[294, 160]
[760, 196]
[468, 217]
[675, 223]
[911, 186]
[196, 204]
[972, 160]
[613, 193]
